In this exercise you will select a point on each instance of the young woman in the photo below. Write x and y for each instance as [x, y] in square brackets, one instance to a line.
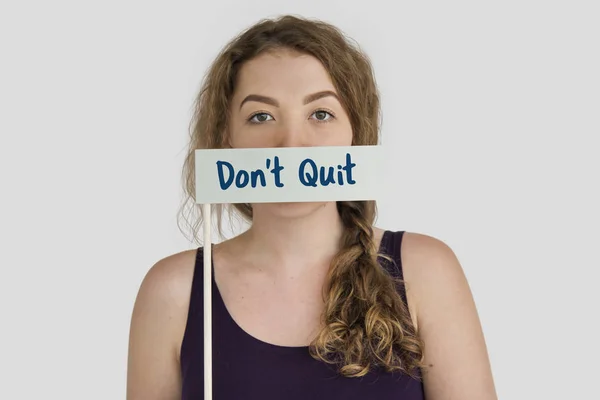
[312, 301]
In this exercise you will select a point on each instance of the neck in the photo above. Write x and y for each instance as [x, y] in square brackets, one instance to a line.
[293, 243]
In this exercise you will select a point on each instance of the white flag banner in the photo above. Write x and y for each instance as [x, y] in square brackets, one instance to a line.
[289, 174]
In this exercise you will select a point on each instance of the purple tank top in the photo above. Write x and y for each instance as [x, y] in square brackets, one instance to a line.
[247, 368]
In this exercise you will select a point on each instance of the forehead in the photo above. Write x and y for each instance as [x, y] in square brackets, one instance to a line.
[282, 73]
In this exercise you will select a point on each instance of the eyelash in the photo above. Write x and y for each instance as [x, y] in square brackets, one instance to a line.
[316, 111]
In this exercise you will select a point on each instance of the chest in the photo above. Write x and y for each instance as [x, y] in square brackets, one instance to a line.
[253, 370]
[279, 311]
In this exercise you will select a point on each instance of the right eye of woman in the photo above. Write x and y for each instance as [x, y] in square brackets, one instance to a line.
[259, 118]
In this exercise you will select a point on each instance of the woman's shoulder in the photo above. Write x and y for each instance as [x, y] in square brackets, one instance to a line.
[425, 263]
[446, 317]
[419, 250]
[429, 262]
[172, 275]
[164, 294]
[422, 247]
[429, 265]
[168, 281]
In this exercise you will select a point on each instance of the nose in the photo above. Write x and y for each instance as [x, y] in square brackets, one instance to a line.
[292, 135]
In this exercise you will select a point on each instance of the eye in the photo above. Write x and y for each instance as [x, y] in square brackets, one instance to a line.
[323, 116]
[259, 118]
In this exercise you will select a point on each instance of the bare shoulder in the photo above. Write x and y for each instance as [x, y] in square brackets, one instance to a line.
[157, 326]
[427, 260]
[448, 322]
[431, 270]
[170, 279]
[167, 286]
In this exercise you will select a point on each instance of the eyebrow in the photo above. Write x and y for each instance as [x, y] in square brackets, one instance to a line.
[308, 99]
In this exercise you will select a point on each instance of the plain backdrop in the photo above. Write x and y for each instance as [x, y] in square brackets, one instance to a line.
[491, 118]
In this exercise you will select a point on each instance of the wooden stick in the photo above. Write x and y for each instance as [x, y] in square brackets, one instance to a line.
[207, 303]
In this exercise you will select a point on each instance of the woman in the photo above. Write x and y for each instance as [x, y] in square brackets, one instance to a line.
[312, 301]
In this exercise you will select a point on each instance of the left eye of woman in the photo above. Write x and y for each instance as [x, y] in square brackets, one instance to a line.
[323, 116]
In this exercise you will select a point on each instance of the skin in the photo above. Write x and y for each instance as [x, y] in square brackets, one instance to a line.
[273, 292]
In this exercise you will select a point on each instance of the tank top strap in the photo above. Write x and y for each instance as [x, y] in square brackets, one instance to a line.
[195, 318]
[391, 244]
[197, 293]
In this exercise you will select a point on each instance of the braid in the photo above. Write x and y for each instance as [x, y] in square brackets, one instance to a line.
[365, 322]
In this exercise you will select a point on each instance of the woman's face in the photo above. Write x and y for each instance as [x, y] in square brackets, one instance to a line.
[286, 99]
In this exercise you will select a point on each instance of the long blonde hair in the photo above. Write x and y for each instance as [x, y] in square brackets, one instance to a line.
[366, 324]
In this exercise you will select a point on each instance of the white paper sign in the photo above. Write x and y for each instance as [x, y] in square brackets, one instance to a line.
[289, 174]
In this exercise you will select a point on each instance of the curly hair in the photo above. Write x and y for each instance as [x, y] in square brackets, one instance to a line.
[365, 323]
